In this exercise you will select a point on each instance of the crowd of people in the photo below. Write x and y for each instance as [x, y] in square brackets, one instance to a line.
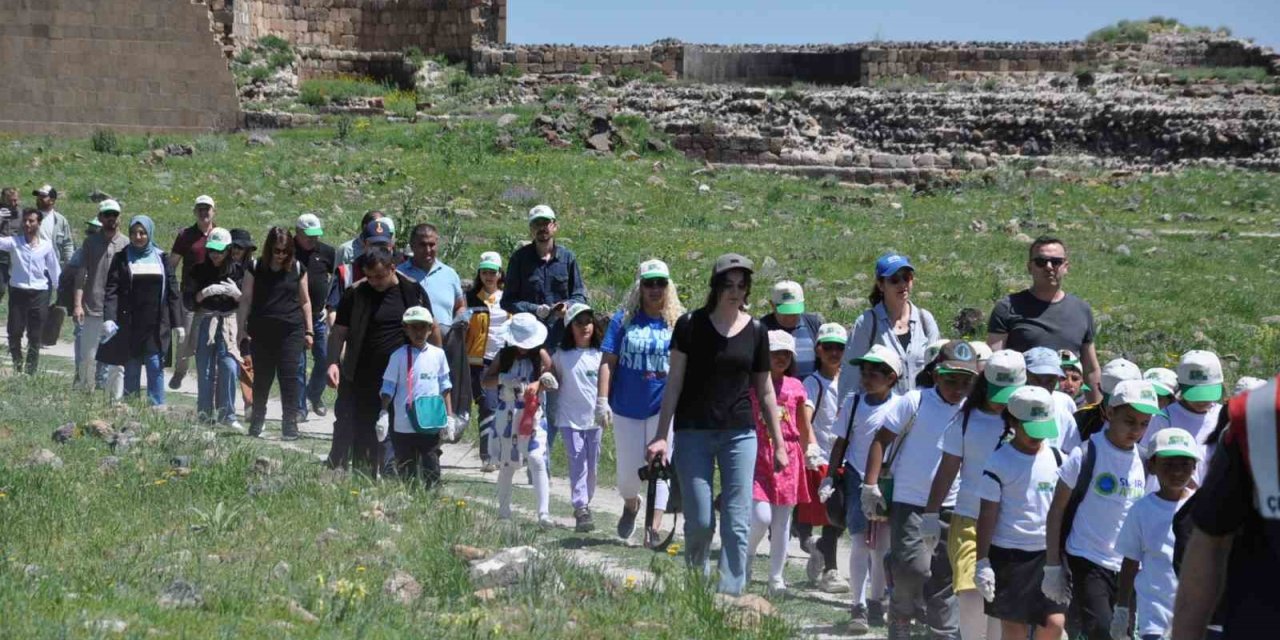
[998, 488]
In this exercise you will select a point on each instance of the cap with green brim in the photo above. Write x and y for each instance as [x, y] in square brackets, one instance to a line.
[880, 354]
[957, 356]
[1176, 443]
[219, 239]
[1004, 373]
[1032, 407]
[832, 332]
[94, 222]
[1138, 394]
[490, 260]
[999, 394]
[948, 370]
[1202, 393]
[650, 269]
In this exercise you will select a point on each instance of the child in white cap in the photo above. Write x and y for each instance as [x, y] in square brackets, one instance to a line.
[1200, 391]
[1092, 418]
[1073, 383]
[1147, 540]
[577, 365]
[775, 494]
[416, 385]
[1044, 370]
[821, 389]
[1166, 383]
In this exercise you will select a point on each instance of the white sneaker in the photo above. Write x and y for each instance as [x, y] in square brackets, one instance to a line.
[777, 588]
[833, 582]
[236, 426]
[545, 521]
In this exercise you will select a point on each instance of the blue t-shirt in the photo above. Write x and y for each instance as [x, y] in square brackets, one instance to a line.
[643, 348]
[443, 287]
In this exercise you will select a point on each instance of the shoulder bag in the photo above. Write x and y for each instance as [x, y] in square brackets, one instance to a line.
[836, 512]
[426, 413]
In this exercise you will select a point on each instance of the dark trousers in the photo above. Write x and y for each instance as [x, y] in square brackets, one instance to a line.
[354, 415]
[826, 544]
[1093, 593]
[417, 455]
[485, 401]
[28, 309]
[4, 278]
[277, 347]
[921, 580]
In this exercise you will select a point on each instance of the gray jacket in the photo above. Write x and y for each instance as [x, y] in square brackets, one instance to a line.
[874, 326]
[56, 230]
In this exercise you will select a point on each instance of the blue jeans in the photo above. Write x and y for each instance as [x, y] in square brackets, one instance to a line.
[216, 373]
[695, 462]
[155, 377]
[854, 520]
[314, 388]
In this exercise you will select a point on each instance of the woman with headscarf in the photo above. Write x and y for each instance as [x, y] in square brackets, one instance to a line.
[141, 305]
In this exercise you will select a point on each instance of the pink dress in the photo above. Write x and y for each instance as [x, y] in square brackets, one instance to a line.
[789, 486]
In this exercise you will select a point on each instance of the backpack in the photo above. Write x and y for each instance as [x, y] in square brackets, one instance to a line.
[1083, 481]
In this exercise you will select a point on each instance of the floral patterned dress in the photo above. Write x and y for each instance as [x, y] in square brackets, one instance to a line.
[506, 447]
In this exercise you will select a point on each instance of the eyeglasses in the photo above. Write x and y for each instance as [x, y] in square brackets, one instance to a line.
[654, 283]
[900, 278]
[1042, 262]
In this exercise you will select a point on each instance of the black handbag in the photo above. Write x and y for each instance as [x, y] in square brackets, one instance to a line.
[837, 514]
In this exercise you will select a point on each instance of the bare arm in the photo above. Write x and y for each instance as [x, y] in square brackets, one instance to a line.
[769, 403]
[1092, 372]
[304, 299]
[875, 457]
[337, 338]
[988, 513]
[1053, 527]
[490, 378]
[671, 393]
[246, 302]
[804, 422]
[1124, 584]
[947, 471]
[605, 379]
[1204, 567]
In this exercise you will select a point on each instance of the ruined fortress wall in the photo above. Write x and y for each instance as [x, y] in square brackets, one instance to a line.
[492, 59]
[445, 27]
[837, 66]
[71, 66]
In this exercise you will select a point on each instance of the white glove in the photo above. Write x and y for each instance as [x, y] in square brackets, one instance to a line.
[230, 288]
[604, 413]
[382, 426]
[109, 329]
[455, 427]
[213, 290]
[930, 530]
[179, 335]
[985, 580]
[813, 457]
[543, 311]
[1054, 584]
[872, 501]
[825, 489]
[1120, 623]
[548, 381]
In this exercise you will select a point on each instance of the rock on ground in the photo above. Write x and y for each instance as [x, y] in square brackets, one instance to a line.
[402, 587]
[505, 567]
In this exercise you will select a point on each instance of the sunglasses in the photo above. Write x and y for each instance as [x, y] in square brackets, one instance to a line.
[1041, 261]
[654, 283]
[900, 278]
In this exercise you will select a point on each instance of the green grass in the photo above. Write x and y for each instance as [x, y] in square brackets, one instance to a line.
[1226, 75]
[1139, 31]
[317, 92]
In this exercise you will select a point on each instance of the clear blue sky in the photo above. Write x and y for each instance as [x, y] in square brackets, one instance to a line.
[804, 21]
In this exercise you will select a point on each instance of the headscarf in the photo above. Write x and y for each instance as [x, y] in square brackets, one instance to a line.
[136, 254]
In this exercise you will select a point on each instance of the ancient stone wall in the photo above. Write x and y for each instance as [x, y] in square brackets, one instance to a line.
[71, 66]
[663, 57]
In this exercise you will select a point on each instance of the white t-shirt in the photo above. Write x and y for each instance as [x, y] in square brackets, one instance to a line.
[865, 426]
[1023, 485]
[1147, 536]
[432, 371]
[497, 327]
[824, 417]
[972, 444]
[577, 370]
[1068, 432]
[1119, 480]
[1201, 426]
[915, 466]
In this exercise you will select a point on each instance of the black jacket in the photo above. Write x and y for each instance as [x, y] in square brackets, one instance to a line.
[358, 297]
[116, 307]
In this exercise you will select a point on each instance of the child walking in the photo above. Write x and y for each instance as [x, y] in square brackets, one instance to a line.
[822, 404]
[416, 384]
[775, 494]
[1016, 490]
[1199, 402]
[861, 417]
[577, 365]
[520, 372]
[1147, 541]
[1085, 522]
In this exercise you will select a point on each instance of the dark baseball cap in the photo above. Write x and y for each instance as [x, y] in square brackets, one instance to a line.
[46, 190]
[730, 261]
[958, 356]
[242, 238]
[377, 232]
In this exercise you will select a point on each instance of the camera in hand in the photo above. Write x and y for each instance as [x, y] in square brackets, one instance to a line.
[658, 470]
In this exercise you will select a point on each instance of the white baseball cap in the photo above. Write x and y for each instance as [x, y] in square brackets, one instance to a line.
[931, 352]
[309, 225]
[1005, 372]
[781, 341]
[1248, 383]
[1139, 394]
[219, 239]
[541, 211]
[1200, 376]
[881, 354]
[1117, 371]
[417, 314]
[788, 297]
[526, 331]
[653, 268]
[982, 349]
[204, 200]
[1175, 443]
[490, 260]
[108, 205]
[1033, 407]
[1165, 380]
[574, 311]
[832, 332]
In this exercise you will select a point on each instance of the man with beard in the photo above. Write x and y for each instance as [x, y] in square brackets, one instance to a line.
[90, 287]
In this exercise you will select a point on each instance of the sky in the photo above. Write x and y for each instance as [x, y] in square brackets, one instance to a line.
[836, 21]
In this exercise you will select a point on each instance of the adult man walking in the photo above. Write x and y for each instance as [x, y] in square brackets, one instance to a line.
[10, 222]
[351, 249]
[54, 227]
[440, 282]
[1046, 316]
[378, 232]
[189, 250]
[319, 261]
[90, 287]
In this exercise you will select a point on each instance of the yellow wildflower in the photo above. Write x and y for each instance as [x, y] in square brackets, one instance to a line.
[460, 503]
[360, 569]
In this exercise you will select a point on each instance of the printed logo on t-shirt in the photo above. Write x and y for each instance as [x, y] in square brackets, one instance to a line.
[1107, 484]
[1045, 487]
[646, 349]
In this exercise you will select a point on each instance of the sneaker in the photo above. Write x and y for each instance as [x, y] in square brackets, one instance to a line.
[900, 630]
[875, 613]
[235, 426]
[291, 435]
[777, 588]
[175, 381]
[627, 523]
[832, 582]
[317, 406]
[858, 619]
[255, 431]
[545, 522]
[813, 568]
[582, 520]
[488, 467]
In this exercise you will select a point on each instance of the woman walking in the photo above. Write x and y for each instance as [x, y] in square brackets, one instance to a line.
[216, 282]
[276, 312]
[486, 334]
[633, 375]
[720, 354]
[141, 307]
[32, 276]
[893, 321]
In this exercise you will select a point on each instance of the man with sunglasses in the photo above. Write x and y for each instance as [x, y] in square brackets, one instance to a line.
[90, 288]
[1045, 315]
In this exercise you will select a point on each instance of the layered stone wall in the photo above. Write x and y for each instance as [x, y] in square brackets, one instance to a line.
[662, 57]
[71, 66]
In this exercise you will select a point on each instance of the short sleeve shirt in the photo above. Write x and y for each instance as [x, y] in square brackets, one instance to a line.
[1031, 322]
[1147, 536]
[718, 373]
[972, 444]
[431, 369]
[1023, 485]
[916, 464]
[442, 285]
[1119, 480]
[643, 347]
[821, 394]
[579, 374]
[189, 245]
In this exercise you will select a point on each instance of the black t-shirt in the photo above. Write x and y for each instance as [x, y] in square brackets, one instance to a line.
[275, 293]
[1031, 322]
[384, 334]
[1224, 505]
[717, 379]
[319, 264]
[205, 274]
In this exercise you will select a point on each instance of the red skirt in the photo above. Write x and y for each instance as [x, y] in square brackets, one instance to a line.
[813, 512]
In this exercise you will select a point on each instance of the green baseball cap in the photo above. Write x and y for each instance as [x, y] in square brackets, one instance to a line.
[1033, 408]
